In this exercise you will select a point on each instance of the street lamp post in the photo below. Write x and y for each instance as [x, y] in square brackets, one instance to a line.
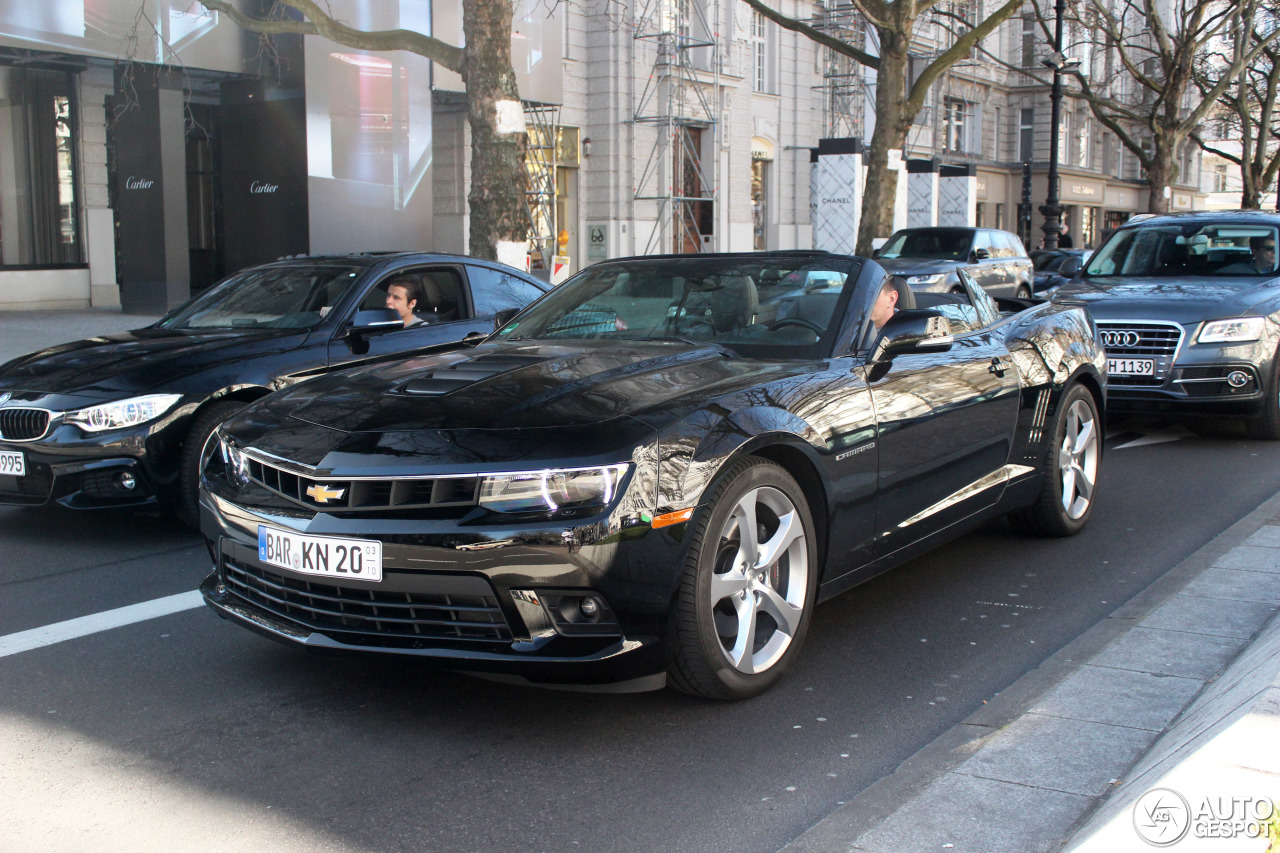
[1052, 209]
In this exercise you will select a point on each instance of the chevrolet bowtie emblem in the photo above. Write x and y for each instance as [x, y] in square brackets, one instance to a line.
[322, 494]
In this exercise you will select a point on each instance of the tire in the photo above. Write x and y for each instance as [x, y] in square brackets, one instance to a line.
[726, 588]
[1023, 292]
[1070, 472]
[187, 506]
[1266, 424]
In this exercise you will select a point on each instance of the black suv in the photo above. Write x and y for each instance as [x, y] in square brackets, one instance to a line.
[928, 259]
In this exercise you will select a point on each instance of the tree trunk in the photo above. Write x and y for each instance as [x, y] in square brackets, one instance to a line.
[1250, 198]
[881, 191]
[497, 204]
[1160, 175]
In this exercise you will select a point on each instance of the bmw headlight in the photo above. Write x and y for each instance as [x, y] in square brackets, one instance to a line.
[1237, 331]
[553, 490]
[924, 279]
[122, 413]
[236, 462]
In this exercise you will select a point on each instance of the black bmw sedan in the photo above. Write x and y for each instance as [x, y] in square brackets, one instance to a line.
[120, 420]
[653, 473]
[1189, 310]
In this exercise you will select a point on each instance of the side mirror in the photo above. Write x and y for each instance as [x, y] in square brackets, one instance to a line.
[503, 317]
[917, 330]
[1069, 267]
[981, 254]
[375, 320]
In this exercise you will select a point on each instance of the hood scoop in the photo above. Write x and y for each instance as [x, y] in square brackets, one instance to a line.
[446, 380]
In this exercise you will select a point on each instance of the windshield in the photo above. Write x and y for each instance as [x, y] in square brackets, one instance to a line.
[771, 307]
[1222, 250]
[276, 297]
[937, 244]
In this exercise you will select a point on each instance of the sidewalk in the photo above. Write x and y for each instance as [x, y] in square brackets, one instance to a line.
[22, 332]
[1159, 727]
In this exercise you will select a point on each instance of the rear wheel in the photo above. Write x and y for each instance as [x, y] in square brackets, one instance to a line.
[1266, 424]
[193, 457]
[749, 584]
[1070, 470]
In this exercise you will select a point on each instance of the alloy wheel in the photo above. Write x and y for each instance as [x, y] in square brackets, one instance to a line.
[761, 579]
[1078, 460]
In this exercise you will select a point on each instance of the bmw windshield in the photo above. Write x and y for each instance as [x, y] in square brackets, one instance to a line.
[294, 296]
[781, 308]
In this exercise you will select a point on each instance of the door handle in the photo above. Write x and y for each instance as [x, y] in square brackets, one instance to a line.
[998, 366]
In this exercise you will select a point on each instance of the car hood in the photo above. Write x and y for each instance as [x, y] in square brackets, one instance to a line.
[520, 386]
[916, 266]
[136, 362]
[1184, 300]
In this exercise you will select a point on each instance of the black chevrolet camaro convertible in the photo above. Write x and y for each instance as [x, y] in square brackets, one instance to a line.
[653, 473]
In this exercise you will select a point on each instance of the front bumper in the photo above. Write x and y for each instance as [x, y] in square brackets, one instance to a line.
[122, 468]
[486, 603]
[1192, 379]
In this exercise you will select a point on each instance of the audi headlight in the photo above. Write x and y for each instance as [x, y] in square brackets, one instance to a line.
[122, 413]
[1237, 331]
[555, 490]
[237, 464]
[924, 279]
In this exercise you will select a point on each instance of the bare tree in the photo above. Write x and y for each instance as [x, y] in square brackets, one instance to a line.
[496, 199]
[1154, 106]
[1247, 110]
[897, 102]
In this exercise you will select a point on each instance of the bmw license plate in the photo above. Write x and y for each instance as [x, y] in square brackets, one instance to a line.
[331, 557]
[1131, 366]
[13, 463]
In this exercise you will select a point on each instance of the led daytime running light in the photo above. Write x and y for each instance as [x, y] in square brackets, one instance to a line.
[123, 413]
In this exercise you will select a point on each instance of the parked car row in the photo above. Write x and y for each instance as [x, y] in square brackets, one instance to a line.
[651, 474]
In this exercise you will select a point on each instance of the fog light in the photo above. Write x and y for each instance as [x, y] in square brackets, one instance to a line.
[590, 608]
[1237, 379]
[126, 481]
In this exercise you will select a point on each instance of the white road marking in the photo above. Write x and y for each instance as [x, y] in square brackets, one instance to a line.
[25, 641]
[1159, 436]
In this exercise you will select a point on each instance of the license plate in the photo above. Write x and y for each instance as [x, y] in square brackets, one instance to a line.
[13, 463]
[331, 557]
[1131, 366]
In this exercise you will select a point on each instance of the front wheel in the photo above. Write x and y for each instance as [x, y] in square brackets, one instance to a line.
[1024, 292]
[193, 457]
[1070, 471]
[749, 584]
[1266, 424]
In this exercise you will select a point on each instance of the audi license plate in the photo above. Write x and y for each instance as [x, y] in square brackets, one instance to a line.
[13, 463]
[1131, 366]
[357, 559]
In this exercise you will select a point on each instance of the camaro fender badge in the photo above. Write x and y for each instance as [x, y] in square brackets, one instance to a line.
[322, 494]
[863, 449]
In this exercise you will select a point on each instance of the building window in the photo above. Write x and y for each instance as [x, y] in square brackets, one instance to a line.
[1220, 178]
[1028, 41]
[760, 204]
[1064, 139]
[980, 215]
[997, 127]
[39, 206]
[1084, 148]
[1026, 134]
[1000, 223]
[762, 62]
[955, 122]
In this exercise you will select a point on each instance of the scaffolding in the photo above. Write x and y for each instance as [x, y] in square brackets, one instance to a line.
[543, 124]
[844, 86]
[675, 104]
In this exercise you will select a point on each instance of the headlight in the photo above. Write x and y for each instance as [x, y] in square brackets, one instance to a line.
[237, 463]
[1236, 331]
[924, 279]
[553, 490]
[122, 413]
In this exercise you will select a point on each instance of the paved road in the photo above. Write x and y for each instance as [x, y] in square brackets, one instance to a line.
[186, 733]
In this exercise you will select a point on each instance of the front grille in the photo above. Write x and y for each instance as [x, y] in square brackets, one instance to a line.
[34, 488]
[1152, 339]
[394, 618]
[23, 424]
[366, 495]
